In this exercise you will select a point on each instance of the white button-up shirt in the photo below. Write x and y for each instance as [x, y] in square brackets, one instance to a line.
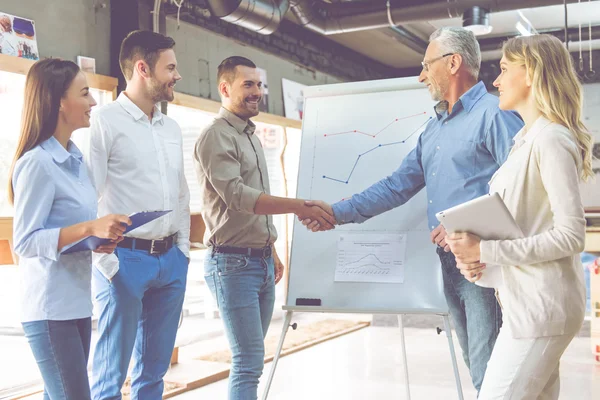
[137, 165]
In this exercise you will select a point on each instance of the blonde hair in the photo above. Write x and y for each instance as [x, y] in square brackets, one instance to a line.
[555, 85]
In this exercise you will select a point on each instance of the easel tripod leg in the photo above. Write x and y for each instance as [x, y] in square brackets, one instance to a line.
[286, 326]
[453, 355]
[404, 358]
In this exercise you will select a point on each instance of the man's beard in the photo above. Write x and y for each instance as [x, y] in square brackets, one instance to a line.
[246, 111]
[437, 93]
[160, 92]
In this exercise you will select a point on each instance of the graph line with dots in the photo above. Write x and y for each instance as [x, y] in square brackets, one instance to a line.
[374, 135]
[359, 157]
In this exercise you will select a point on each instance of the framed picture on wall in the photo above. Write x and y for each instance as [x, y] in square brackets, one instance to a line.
[87, 64]
[293, 98]
[17, 37]
[263, 106]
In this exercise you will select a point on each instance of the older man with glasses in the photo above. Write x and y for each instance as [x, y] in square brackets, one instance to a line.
[454, 159]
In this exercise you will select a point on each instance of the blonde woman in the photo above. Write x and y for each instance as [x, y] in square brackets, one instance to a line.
[542, 289]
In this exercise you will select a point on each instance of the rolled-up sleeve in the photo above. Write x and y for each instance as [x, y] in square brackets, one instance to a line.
[217, 155]
[34, 192]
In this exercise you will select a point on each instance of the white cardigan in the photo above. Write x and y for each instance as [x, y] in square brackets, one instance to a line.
[542, 290]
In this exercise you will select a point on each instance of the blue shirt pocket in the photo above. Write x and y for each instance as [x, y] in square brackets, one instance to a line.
[458, 159]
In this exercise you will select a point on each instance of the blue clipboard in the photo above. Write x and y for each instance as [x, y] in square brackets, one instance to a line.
[93, 242]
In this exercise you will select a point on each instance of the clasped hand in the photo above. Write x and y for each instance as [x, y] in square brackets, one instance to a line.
[465, 247]
[317, 216]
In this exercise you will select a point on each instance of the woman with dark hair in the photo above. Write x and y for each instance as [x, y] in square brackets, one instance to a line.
[55, 206]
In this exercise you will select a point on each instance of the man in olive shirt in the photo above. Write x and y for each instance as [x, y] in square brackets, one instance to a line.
[242, 267]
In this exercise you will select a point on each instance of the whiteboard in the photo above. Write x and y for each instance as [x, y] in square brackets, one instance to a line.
[590, 191]
[353, 135]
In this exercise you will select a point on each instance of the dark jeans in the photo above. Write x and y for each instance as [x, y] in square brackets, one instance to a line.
[61, 349]
[475, 314]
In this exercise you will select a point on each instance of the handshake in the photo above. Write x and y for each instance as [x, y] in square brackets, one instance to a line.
[316, 215]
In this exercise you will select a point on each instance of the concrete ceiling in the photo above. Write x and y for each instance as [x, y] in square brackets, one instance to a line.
[384, 45]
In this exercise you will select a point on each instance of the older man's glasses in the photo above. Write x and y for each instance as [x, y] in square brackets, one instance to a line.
[427, 64]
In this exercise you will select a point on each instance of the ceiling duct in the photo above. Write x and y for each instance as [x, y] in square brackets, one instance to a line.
[333, 18]
[262, 16]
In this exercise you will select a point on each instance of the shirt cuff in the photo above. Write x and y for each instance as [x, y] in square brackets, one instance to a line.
[47, 243]
[107, 264]
[248, 199]
[343, 212]
[487, 250]
[185, 249]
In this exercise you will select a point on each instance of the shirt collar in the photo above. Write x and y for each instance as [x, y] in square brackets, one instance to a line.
[525, 135]
[466, 101]
[58, 152]
[136, 112]
[237, 123]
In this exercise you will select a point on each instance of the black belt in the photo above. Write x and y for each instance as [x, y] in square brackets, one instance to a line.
[154, 247]
[264, 252]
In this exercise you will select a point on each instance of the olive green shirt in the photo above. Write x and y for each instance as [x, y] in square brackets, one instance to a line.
[232, 173]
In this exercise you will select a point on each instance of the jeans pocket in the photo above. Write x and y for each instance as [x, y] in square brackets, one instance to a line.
[211, 281]
[231, 264]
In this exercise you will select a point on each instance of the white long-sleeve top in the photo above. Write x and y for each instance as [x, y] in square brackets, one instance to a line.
[542, 292]
[137, 165]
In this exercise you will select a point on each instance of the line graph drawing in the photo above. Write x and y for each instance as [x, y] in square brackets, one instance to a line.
[366, 266]
[370, 257]
[369, 264]
[359, 157]
[378, 132]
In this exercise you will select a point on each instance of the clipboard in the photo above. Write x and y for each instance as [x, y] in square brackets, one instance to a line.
[93, 242]
[487, 217]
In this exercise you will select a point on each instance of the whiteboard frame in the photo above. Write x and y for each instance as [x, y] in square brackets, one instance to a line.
[353, 88]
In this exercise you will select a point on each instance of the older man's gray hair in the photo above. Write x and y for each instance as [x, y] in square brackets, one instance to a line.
[460, 41]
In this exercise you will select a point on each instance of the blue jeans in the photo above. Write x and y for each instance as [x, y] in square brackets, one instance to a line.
[139, 312]
[61, 349]
[476, 316]
[244, 288]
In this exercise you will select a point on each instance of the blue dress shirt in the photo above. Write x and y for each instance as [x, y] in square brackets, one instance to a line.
[52, 191]
[455, 158]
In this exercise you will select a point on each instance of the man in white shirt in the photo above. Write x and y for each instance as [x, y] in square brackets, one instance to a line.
[135, 158]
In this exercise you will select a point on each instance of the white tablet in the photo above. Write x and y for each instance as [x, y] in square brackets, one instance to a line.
[485, 216]
[488, 218]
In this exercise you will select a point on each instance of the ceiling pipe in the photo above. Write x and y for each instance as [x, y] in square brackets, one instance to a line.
[495, 43]
[329, 18]
[405, 36]
[156, 16]
[262, 16]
